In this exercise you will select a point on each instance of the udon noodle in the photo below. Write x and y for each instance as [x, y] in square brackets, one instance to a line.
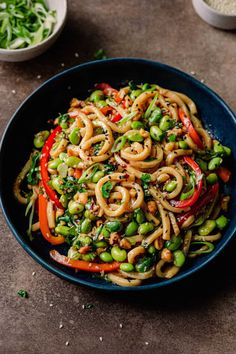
[130, 181]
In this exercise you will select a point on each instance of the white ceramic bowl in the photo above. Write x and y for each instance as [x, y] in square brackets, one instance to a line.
[30, 52]
[214, 17]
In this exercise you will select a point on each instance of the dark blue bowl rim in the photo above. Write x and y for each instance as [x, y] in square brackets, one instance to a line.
[108, 286]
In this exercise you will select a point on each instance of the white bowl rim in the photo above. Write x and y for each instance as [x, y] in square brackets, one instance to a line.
[214, 10]
[22, 50]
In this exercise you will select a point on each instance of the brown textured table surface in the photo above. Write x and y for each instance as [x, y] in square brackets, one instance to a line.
[196, 316]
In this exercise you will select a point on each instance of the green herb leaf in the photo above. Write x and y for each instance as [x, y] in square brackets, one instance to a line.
[88, 306]
[172, 137]
[100, 54]
[146, 177]
[106, 189]
[132, 85]
[33, 174]
[22, 293]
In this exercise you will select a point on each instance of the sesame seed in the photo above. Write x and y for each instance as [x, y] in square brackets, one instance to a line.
[101, 339]
[202, 81]
[61, 325]
[77, 55]
[33, 273]
[192, 73]
[51, 305]
[13, 91]
[121, 325]
[62, 64]
[39, 76]
[67, 343]
[146, 343]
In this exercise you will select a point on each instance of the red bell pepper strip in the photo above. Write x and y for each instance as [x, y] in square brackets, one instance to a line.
[224, 174]
[44, 167]
[83, 265]
[116, 118]
[207, 198]
[192, 200]
[190, 128]
[106, 88]
[107, 109]
[43, 222]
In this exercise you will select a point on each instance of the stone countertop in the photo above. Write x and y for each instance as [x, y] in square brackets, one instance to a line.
[195, 316]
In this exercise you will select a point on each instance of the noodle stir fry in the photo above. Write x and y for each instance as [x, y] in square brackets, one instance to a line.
[130, 181]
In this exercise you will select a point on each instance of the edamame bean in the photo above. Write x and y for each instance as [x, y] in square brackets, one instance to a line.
[174, 243]
[183, 145]
[53, 164]
[215, 163]
[156, 133]
[40, 138]
[139, 216]
[86, 226]
[72, 161]
[57, 184]
[165, 123]
[100, 244]
[127, 267]
[151, 249]
[206, 228]
[62, 170]
[63, 156]
[227, 150]
[131, 228]
[218, 148]
[62, 230]
[118, 254]
[179, 258]
[221, 222]
[170, 186]
[137, 125]
[146, 86]
[89, 257]
[96, 95]
[75, 207]
[101, 103]
[84, 240]
[105, 232]
[89, 215]
[106, 257]
[135, 94]
[155, 116]
[212, 178]
[135, 137]
[74, 136]
[145, 228]
[97, 176]
[64, 200]
[114, 226]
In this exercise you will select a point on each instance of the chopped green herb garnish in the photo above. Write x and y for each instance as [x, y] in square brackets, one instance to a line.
[172, 137]
[100, 54]
[33, 174]
[106, 189]
[88, 306]
[22, 293]
[146, 177]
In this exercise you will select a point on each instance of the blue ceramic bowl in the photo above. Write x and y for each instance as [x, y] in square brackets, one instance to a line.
[53, 97]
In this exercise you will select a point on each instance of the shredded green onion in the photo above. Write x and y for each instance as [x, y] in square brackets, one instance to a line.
[119, 144]
[151, 107]
[209, 245]
[25, 23]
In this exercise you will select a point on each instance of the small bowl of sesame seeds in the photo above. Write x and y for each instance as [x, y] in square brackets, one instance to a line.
[218, 13]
